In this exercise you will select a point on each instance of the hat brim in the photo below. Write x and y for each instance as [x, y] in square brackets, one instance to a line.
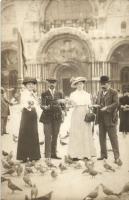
[74, 83]
[51, 80]
[30, 81]
[103, 82]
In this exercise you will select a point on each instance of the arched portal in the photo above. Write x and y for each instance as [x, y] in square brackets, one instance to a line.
[119, 60]
[64, 54]
[9, 69]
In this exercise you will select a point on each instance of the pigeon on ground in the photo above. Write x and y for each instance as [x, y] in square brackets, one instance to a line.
[107, 191]
[85, 171]
[5, 165]
[51, 165]
[92, 194]
[42, 170]
[4, 153]
[19, 169]
[15, 138]
[78, 166]
[62, 167]
[29, 170]
[62, 142]
[108, 167]
[68, 160]
[3, 179]
[12, 186]
[26, 197]
[30, 163]
[125, 188]
[34, 191]
[45, 197]
[9, 156]
[93, 172]
[10, 171]
[54, 174]
[27, 179]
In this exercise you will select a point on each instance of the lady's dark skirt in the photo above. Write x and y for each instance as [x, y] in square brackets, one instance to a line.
[124, 121]
[28, 141]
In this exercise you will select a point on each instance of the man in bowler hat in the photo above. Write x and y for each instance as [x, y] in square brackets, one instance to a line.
[51, 117]
[107, 117]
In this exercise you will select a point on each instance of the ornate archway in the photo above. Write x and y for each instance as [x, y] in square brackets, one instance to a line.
[9, 69]
[119, 59]
[67, 47]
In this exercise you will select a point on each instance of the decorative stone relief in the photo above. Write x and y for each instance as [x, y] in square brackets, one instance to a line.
[33, 12]
[65, 49]
[118, 8]
[8, 15]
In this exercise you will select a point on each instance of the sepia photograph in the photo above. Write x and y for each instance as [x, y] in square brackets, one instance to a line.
[64, 99]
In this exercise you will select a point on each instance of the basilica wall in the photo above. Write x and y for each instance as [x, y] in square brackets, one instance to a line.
[65, 38]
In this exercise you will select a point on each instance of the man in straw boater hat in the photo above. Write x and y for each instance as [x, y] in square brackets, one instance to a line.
[107, 118]
[51, 117]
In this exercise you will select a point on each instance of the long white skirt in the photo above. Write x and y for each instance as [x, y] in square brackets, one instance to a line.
[80, 141]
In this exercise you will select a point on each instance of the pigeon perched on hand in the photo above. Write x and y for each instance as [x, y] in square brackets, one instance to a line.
[34, 191]
[108, 167]
[12, 186]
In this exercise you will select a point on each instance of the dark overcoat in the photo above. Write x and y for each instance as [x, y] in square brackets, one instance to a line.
[110, 100]
[54, 111]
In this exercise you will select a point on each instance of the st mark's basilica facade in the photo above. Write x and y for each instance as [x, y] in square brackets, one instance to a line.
[64, 39]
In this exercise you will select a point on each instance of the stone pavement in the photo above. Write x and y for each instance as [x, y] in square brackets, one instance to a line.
[70, 184]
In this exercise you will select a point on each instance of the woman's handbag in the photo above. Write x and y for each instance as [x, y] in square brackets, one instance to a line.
[89, 117]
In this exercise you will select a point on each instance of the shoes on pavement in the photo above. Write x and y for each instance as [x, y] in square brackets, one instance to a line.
[101, 158]
[75, 159]
[56, 157]
[118, 162]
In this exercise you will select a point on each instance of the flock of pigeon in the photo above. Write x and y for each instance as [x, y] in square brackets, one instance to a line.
[11, 168]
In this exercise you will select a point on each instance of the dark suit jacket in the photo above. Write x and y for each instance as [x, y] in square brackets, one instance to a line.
[54, 112]
[110, 116]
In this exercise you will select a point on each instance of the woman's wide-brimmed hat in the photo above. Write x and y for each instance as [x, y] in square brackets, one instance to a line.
[29, 80]
[74, 81]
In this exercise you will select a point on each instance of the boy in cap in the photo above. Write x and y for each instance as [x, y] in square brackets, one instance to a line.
[51, 117]
[107, 118]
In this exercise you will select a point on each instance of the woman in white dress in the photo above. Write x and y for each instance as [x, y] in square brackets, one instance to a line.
[81, 144]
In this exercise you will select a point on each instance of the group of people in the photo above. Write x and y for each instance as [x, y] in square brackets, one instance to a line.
[81, 145]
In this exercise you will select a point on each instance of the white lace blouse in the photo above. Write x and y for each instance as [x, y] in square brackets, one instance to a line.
[80, 97]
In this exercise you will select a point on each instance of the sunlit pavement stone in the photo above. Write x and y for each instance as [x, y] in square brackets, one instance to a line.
[71, 184]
